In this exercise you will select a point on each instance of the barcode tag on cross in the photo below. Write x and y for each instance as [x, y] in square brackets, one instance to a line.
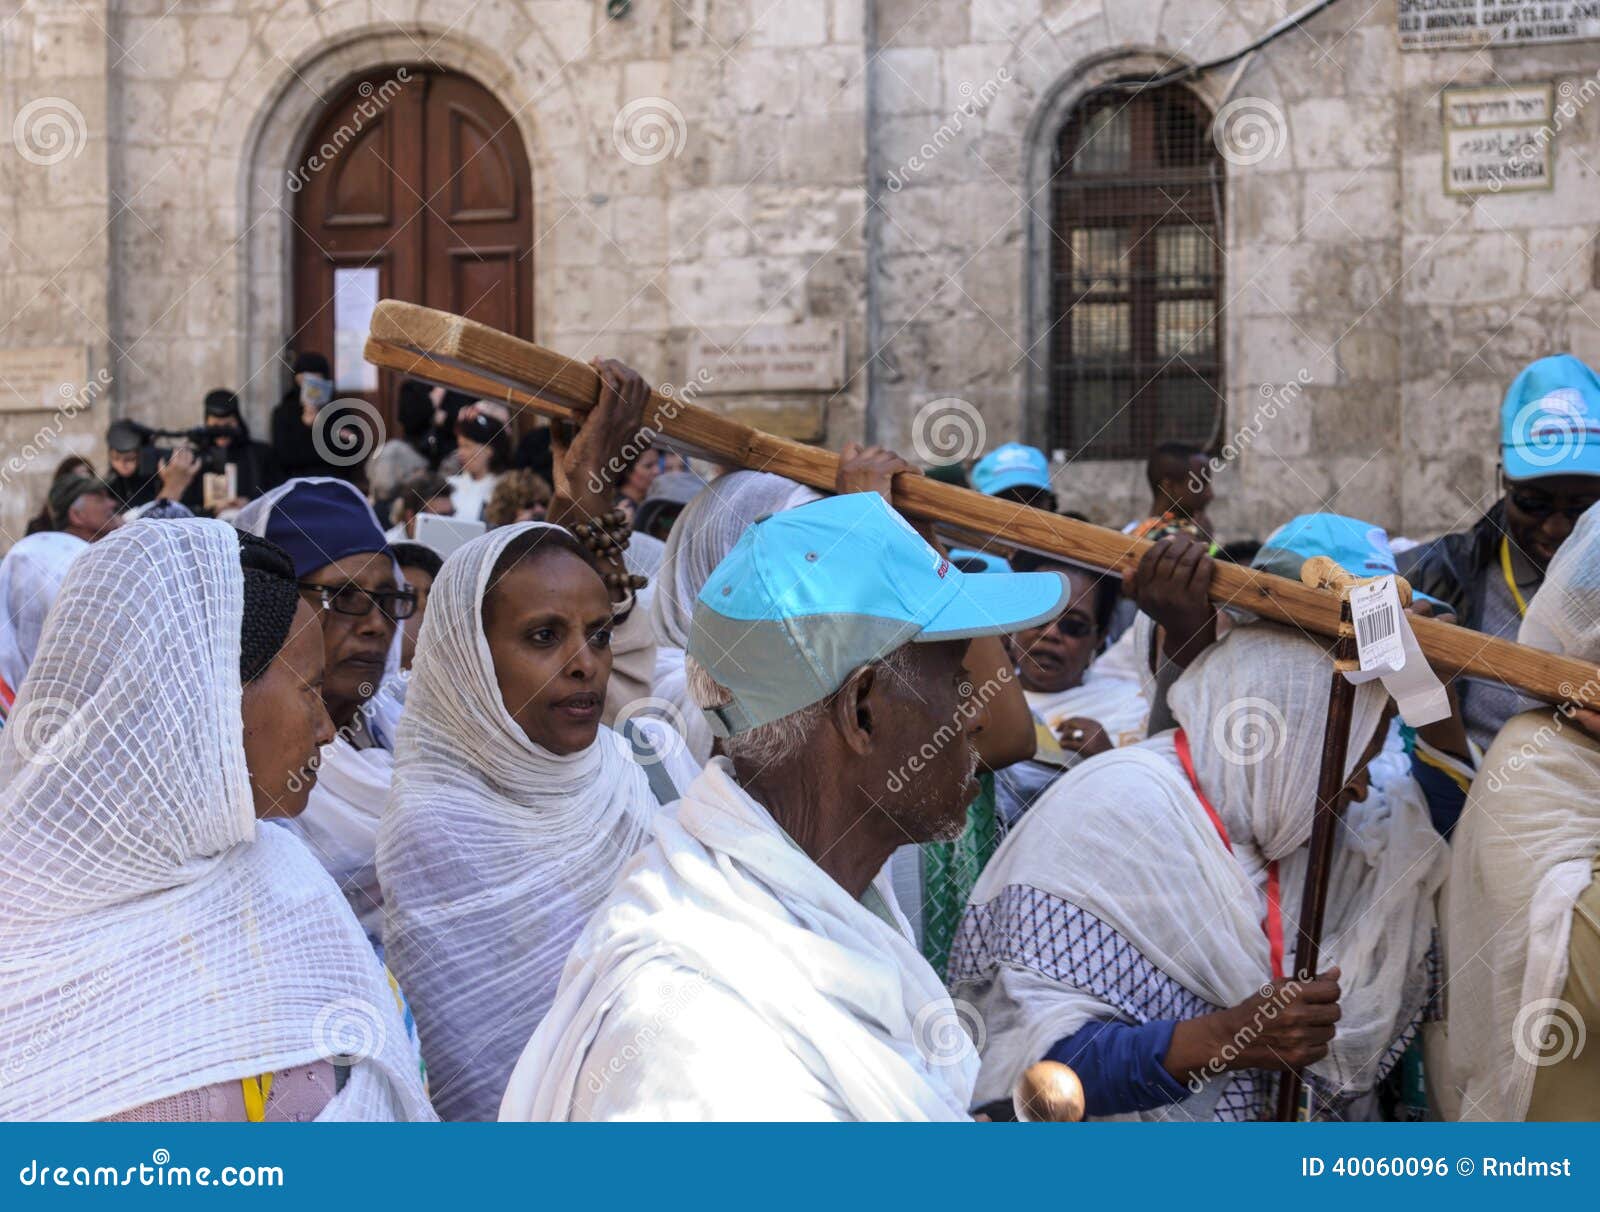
[1375, 610]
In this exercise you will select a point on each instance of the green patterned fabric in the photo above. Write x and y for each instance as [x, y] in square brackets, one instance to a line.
[950, 869]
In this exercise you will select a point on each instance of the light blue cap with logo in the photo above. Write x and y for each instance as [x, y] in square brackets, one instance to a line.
[808, 596]
[1550, 421]
[1354, 545]
[1011, 466]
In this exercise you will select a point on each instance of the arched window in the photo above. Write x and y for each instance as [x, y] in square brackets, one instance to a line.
[1135, 275]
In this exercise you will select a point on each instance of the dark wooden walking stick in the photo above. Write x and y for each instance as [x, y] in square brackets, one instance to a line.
[1323, 573]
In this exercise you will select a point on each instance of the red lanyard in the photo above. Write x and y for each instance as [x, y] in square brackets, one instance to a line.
[1272, 924]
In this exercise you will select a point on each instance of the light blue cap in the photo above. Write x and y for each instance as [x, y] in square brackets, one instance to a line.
[1356, 546]
[808, 596]
[969, 560]
[1011, 466]
[1550, 421]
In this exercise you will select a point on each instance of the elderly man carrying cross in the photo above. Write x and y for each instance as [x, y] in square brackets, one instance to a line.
[752, 963]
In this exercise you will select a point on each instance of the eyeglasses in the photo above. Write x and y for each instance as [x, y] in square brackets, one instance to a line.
[351, 599]
[1537, 505]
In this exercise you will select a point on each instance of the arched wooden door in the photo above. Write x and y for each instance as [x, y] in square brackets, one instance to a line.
[414, 186]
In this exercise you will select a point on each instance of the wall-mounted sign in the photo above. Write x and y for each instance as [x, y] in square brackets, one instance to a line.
[785, 357]
[1440, 24]
[42, 379]
[1497, 139]
[355, 294]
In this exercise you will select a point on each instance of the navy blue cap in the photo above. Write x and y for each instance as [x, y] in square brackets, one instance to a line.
[320, 521]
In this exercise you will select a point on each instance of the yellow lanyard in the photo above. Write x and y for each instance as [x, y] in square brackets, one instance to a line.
[1511, 580]
[256, 1092]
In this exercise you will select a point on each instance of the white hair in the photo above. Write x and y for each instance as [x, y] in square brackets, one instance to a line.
[767, 744]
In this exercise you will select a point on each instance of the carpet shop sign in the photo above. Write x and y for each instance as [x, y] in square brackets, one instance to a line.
[1445, 24]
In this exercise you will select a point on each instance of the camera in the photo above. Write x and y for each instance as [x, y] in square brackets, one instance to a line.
[213, 458]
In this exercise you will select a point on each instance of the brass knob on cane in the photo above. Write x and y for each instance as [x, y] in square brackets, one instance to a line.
[1048, 1092]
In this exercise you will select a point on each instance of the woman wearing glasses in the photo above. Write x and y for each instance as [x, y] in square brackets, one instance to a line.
[348, 577]
[1076, 714]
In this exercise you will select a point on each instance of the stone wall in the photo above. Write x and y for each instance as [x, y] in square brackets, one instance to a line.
[1397, 312]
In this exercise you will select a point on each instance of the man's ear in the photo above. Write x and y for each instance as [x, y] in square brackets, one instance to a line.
[855, 709]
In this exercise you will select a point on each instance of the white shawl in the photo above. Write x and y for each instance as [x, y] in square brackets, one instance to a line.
[1522, 857]
[155, 938]
[493, 851]
[340, 823]
[703, 535]
[818, 1005]
[1115, 898]
[30, 577]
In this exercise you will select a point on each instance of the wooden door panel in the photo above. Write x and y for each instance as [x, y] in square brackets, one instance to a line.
[361, 191]
[434, 192]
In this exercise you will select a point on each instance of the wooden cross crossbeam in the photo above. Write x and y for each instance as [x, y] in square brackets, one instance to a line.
[466, 356]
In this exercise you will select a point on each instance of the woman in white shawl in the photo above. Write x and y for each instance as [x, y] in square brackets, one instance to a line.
[513, 808]
[167, 956]
[340, 555]
[704, 533]
[1521, 911]
[30, 577]
[1076, 716]
[1132, 920]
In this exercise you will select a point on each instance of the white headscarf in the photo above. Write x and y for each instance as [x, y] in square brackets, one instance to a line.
[1522, 855]
[30, 577]
[1116, 899]
[823, 981]
[494, 851]
[156, 938]
[704, 533]
[340, 823]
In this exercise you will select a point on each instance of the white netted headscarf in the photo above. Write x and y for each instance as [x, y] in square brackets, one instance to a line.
[1116, 899]
[1522, 855]
[704, 533]
[340, 823]
[30, 577]
[494, 851]
[156, 938]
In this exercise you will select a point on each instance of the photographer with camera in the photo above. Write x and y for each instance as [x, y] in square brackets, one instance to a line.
[239, 468]
[140, 472]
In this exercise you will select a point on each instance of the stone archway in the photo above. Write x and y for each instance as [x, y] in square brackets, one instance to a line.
[272, 146]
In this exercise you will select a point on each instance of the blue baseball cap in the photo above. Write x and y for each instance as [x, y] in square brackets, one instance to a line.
[808, 596]
[1011, 466]
[1356, 546]
[1550, 421]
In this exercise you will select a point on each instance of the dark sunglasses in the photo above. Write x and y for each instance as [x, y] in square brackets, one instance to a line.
[1537, 505]
[351, 599]
[1075, 627]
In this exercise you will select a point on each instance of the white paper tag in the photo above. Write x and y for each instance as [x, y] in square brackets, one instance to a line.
[1375, 611]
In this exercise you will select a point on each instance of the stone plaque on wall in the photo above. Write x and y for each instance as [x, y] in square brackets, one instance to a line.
[1446, 24]
[785, 357]
[1498, 138]
[42, 379]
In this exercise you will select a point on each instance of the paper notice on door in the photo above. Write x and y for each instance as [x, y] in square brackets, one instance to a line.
[355, 294]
